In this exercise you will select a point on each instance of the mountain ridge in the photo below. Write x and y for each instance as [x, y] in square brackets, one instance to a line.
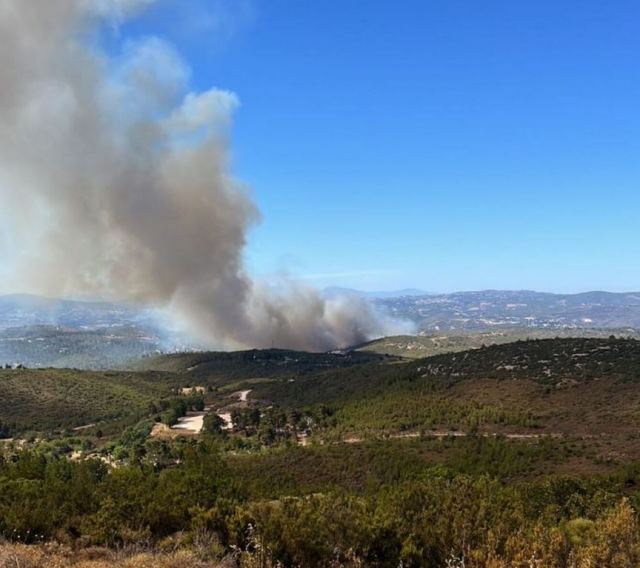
[500, 309]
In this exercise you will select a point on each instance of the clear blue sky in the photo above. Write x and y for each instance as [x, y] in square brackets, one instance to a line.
[445, 144]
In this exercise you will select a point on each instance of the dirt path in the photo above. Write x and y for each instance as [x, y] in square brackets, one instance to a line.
[192, 422]
[226, 416]
[450, 433]
[225, 411]
[85, 427]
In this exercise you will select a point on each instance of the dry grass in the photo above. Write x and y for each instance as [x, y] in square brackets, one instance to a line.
[57, 556]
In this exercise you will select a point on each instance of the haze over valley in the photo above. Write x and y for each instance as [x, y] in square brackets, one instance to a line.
[42, 332]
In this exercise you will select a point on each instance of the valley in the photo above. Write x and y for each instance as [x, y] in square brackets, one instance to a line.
[44, 332]
[308, 284]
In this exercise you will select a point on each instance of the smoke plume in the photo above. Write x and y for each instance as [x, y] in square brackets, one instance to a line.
[115, 182]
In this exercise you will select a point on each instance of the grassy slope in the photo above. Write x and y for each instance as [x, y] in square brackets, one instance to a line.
[570, 387]
[588, 388]
[46, 399]
[223, 368]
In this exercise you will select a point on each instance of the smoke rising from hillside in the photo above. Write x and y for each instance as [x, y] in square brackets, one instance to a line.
[115, 182]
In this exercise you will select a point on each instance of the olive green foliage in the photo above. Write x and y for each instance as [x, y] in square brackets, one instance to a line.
[369, 465]
[219, 368]
[47, 399]
[411, 510]
[546, 361]
[213, 424]
[43, 400]
[421, 409]
[131, 444]
[420, 346]
[366, 489]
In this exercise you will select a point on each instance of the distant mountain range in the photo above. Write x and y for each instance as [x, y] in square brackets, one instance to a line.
[51, 332]
[334, 291]
[18, 310]
[43, 332]
[496, 309]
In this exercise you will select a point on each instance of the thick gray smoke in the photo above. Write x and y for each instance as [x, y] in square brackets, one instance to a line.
[114, 182]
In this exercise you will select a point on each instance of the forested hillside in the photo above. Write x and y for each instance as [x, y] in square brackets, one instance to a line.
[495, 457]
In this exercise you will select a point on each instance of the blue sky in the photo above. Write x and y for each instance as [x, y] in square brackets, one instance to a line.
[447, 145]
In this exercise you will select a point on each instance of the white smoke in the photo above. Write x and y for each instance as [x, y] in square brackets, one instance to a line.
[116, 10]
[115, 182]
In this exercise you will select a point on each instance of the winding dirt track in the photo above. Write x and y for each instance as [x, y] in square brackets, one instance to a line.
[225, 413]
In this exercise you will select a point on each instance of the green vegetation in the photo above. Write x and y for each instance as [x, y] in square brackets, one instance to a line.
[48, 399]
[486, 458]
[547, 361]
[419, 410]
[219, 369]
[379, 504]
[367, 466]
[420, 346]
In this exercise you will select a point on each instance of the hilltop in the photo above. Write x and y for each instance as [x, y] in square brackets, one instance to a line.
[232, 365]
[334, 291]
[419, 346]
[576, 388]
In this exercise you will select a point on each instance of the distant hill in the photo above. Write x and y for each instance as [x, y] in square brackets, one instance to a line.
[334, 291]
[418, 346]
[19, 310]
[52, 332]
[54, 346]
[586, 388]
[496, 310]
[468, 311]
[215, 366]
[44, 332]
